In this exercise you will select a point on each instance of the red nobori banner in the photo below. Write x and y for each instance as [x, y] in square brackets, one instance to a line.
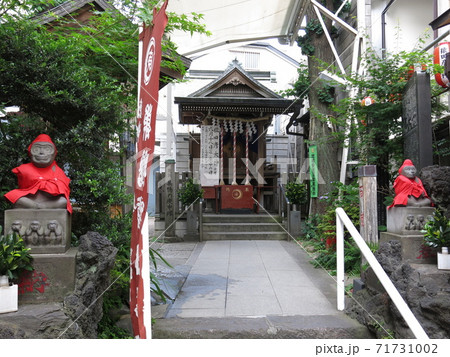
[149, 62]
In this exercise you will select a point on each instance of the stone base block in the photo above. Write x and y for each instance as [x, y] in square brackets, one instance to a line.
[407, 220]
[192, 233]
[43, 230]
[52, 279]
[358, 285]
[295, 224]
[413, 249]
[191, 237]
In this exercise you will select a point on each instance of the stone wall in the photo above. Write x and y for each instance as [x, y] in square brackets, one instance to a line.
[425, 289]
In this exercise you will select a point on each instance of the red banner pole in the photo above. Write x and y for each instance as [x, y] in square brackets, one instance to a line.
[149, 68]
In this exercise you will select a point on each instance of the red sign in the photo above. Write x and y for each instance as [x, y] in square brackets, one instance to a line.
[236, 197]
[439, 58]
[149, 63]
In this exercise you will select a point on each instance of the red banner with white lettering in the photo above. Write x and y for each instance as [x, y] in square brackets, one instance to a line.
[149, 62]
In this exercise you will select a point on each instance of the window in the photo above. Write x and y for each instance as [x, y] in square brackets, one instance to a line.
[249, 60]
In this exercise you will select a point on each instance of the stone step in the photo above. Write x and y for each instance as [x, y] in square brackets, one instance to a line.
[242, 227]
[244, 236]
[240, 218]
[270, 327]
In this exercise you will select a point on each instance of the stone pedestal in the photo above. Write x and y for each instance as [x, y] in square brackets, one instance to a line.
[408, 220]
[52, 279]
[413, 249]
[48, 233]
[404, 224]
[43, 230]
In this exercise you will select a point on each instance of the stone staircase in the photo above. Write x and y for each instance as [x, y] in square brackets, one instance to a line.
[243, 227]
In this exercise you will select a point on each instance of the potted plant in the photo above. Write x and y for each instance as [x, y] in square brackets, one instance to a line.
[189, 193]
[437, 235]
[296, 193]
[14, 259]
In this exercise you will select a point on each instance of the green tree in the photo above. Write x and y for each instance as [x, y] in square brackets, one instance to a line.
[376, 130]
[314, 45]
[77, 105]
[79, 85]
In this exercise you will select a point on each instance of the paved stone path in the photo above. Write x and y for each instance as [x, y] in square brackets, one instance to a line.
[248, 289]
[248, 278]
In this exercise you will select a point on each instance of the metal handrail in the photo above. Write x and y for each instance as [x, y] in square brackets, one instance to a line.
[343, 220]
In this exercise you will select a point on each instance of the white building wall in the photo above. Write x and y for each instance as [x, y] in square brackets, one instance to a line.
[277, 146]
[406, 22]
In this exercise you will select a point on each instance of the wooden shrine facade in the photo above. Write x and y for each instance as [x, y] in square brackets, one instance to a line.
[234, 112]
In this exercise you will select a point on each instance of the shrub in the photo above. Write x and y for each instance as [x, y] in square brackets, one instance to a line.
[189, 192]
[296, 192]
[437, 231]
[320, 232]
[14, 256]
[345, 196]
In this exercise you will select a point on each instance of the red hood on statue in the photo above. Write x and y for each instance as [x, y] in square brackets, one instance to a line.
[408, 185]
[42, 174]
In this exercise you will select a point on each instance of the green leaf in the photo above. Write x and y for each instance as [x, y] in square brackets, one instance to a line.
[14, 256]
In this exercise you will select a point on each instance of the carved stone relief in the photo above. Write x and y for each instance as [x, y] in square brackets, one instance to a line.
[43, 230]
[416, 223]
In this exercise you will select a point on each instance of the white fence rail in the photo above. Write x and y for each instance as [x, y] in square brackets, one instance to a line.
[343, 220]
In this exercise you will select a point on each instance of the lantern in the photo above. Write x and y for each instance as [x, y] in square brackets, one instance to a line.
[367, 101]
[439, 58]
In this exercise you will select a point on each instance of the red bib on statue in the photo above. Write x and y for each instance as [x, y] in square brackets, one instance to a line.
[50, 179]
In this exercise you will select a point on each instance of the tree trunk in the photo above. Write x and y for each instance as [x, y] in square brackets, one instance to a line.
[320, 129]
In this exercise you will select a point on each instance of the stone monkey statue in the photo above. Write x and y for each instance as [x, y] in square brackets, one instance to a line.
[34, 233]
[53, 233]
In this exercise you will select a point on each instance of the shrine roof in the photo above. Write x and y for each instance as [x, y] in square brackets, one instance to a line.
[236, 76]
[234, 93]
[68, 7]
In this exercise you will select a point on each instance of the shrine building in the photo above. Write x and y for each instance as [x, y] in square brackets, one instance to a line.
[233, 112]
